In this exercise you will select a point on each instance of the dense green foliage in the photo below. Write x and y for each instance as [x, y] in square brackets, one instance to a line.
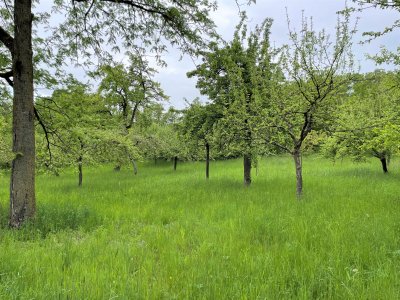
[168, 234]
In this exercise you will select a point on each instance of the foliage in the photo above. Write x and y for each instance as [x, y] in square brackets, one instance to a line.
[139, 26]
[315, 71]
[368, 119]
[235, 78]
[159, 134]
[79, 128]
[128, 89]
[197, 127]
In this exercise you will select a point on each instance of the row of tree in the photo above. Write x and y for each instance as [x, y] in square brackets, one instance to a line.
[261, 99]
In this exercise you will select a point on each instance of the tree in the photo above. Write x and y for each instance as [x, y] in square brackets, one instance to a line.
[128, 90]
[197, 128]
[88, 26]
[233, 77]
[367, 121]
[311, 66]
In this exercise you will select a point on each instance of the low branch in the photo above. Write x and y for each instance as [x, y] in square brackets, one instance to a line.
[7, 76]
[7, 40]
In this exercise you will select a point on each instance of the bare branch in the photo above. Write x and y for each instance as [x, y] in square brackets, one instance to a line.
[7, 40]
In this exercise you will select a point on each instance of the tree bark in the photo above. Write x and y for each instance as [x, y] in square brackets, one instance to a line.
[384, 164]
[207, 160]
[299, 175]
[247, 169]
[175, 162]
[80, 171]
[22, 184]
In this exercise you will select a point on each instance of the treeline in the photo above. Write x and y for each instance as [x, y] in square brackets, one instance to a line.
[303, 97]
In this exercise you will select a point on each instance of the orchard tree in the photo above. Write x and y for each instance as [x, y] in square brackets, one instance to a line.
[88, 26]
[368, 120]
[79, 130]
[129, 89]
[233, 77]
[314, 69]
[197, 128]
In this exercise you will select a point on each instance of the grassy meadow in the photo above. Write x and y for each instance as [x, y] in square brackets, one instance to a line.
[173, 235]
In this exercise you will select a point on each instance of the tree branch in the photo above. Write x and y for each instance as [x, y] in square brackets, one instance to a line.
[7, 76]
[7, 40]
[46, 132]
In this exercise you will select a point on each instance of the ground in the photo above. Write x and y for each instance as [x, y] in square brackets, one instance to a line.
[166, 235]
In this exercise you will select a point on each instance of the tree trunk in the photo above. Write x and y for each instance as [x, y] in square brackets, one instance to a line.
[175, 162]
[299, 176]
[22, 184]
[247, 169]
[134, 166]
[207, 160]
[384, 165]
[80, 171]
[117, 168]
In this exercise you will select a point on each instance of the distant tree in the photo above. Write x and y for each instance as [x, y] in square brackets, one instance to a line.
[79, 130]
[368, 120]
[127, 90]
[197, 128]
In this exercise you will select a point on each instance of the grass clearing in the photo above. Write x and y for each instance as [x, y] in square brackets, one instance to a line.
[173, 235]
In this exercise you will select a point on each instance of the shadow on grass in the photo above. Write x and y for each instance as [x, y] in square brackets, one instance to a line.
[364, 172]
[52, 218]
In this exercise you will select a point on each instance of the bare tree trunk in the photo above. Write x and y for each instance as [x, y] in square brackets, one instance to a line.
[175, 162]
[134, 166]
[22, 184]
[207, 160]
[247, 169]
[384, 164]
[80, 171]
[299, 176]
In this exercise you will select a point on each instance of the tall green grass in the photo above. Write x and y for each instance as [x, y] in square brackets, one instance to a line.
[173, 235]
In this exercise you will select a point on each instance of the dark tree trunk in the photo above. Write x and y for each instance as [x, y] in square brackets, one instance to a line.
[207, 160]
[384, 164]
[22, 184]
[80, 171]
[117, 168]
[247, 169]
[134, 166]
[299, 175]
[175, 162]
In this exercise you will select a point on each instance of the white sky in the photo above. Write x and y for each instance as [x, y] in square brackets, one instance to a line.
[173, 78]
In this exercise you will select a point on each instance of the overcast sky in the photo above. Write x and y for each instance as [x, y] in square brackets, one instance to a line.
[324, 13]
[173, 78]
